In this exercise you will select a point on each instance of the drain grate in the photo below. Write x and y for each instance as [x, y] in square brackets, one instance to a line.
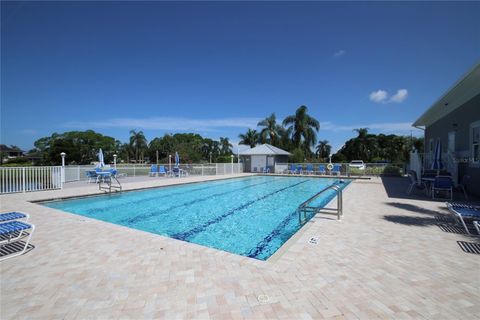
[263, 298]
[313, 240]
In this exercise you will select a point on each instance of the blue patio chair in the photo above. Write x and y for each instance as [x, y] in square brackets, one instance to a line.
[465, 213]
[162, 171]
[309, 169]
[153, 171]
[91, 175]
[337, 169]
[292, 169]
[321, 169]
[13, 231]
[10, 216]
[266, 170]
[442, 184]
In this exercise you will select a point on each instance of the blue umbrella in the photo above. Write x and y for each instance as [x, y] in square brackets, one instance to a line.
[100, 159]
[177, 159]
[437, 157]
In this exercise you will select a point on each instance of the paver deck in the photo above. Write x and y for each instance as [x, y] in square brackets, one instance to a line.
[389, 258]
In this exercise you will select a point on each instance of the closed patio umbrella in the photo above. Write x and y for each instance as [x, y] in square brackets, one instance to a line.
[437, 157]
[101, 162]
[177, 159]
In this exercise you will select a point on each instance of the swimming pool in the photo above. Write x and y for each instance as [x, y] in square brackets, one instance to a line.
[252, 216]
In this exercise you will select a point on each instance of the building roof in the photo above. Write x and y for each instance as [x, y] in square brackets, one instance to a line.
[462, 91]
[264, 150]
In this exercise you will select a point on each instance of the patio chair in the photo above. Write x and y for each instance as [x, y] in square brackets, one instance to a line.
[266, 170]
[309, 169]
[321, 169]
[464, 213]
[337, 168]
[415, 182]
[153, 171]
[10, 216]
[299, 169]
[13, 231]
[442, 184]
[292, 169]
[162, 171]
[91, 175]
[463, 185]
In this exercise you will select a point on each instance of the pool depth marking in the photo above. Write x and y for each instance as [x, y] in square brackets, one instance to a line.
[188, 234]
[139, 218]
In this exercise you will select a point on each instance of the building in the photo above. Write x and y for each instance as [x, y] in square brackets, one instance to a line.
[263, 156]
[9, 153]
[454, 121]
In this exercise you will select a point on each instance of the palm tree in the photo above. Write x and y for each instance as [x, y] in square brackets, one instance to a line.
[138, 142]
[303, 126]
[270, 132]
[225, 146]
[323, 149]
[250, 138]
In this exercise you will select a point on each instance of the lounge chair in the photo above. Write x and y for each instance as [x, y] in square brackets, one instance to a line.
[442, 184]
[13, 231]
[415, 182]
[266, 170]
[299, 169]
[464, 213]
[11, 216]
[162, 171]
[153, 171]
[321, 169]
[309, 169]
[337, 168]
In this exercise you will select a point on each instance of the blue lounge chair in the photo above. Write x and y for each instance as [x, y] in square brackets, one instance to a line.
[10, 216]
[337, 168]
[292, 169]
[442, 184]
[266, 170]
[464, 213]
[13, 231]
[299, 169]
[153, 171]
[162, 171]
[309, 169]
[321, 169]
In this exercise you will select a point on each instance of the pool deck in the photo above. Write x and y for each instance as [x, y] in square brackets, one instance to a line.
[391, 257]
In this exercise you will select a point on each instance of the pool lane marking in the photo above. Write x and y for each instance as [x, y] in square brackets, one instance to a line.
[188, 234]
[139, 218]
[262, 245]
[95, 211]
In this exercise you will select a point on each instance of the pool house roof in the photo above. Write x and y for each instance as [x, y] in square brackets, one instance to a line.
[264, 150]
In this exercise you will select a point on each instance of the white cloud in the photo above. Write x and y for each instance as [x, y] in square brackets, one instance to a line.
[339, 53]
[384, 127]
[399, 96]
[381, 96]
[168, 123]
[378, 96]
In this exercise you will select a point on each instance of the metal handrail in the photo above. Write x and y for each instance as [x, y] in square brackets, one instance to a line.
[305, 208]
[109, 184]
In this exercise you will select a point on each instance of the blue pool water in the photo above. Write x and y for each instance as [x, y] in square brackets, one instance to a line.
[250, 216]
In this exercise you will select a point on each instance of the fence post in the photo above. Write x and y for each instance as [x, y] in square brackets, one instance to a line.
[134, 170]
[202, 169]
[23, 178]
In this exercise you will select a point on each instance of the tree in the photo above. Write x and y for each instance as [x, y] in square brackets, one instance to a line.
[323, 149]
[270, 132]
[225, 146]
[138, 142]
[303, 128]
[250, 138]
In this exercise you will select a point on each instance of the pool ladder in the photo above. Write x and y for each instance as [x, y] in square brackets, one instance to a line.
[304, 208]
[109, 187]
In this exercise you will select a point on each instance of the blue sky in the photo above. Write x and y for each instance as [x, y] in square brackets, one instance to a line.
[218, 68]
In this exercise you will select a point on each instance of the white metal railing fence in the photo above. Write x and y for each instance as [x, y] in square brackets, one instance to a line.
[346, 169]
[26, 179]
[78, 172]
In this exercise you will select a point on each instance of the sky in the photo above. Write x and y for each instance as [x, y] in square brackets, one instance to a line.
[217, 68]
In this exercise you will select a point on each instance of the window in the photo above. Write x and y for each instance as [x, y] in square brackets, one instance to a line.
[475, 142]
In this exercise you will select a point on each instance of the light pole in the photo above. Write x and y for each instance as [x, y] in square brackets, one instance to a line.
[115, 161]
[170, 163]
[63, 154]
[210, 157]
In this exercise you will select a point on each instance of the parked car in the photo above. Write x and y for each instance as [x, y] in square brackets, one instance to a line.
[357, 164]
